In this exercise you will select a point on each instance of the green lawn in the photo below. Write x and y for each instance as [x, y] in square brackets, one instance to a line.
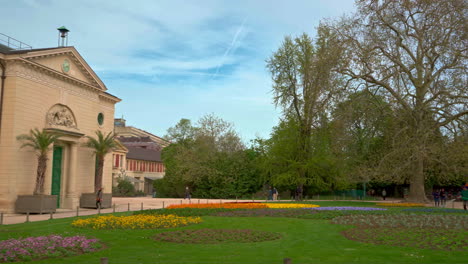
[303, 240]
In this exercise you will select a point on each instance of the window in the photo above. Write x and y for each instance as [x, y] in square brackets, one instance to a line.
[100, 119]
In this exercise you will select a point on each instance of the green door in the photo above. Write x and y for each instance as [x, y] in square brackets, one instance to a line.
[57, 173]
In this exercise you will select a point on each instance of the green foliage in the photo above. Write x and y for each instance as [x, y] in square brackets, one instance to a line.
[101, 145]
[124, 188]
[213, 162]
[39, 141]
[279, 161]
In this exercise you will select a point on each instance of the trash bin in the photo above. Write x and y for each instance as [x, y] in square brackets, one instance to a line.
[154, 194]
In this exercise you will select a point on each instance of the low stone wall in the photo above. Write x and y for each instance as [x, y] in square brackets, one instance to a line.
[36, 204]
[88, 200]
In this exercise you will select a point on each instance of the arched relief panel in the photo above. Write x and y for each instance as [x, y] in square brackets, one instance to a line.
[61, 116]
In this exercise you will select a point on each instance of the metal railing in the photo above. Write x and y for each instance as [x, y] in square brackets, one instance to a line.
[13, 43]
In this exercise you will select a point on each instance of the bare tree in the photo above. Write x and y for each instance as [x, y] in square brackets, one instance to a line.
[414, 52]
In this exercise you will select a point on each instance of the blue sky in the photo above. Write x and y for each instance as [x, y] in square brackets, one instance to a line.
[176, 59]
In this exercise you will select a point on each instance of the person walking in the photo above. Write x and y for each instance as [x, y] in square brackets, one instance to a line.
[384, 194]
[270, 193]
[464, 196]
[443, 197]
[275, 194]
[187, 193]
[436, 195]
[299, 193]
[99, 198]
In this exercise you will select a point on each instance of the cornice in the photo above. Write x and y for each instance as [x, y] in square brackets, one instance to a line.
[109, 97]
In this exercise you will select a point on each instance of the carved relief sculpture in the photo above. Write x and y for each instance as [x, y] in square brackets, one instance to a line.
[60, 115]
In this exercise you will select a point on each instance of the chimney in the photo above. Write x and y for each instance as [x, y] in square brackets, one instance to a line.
[63, 34]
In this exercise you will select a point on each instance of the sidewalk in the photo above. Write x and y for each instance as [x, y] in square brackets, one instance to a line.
[122, 204]
[125, 204]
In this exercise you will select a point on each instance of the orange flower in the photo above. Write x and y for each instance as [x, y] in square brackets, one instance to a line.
[220, 205]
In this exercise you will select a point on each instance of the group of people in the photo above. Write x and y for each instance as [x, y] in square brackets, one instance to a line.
[272, 193]
[440, 197]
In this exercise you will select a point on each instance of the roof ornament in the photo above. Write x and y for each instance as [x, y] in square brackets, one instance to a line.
[63, 35]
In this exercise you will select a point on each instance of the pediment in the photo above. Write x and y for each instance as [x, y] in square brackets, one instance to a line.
[68, 62]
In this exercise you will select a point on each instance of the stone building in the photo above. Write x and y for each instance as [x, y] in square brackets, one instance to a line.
[142, 163]
[53, 89]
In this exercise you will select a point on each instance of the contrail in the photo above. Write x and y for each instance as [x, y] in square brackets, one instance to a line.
[230, 47]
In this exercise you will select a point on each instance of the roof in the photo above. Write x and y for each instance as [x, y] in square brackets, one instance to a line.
[13, 51]
[135, 139]
[4, 48]
[143, 154]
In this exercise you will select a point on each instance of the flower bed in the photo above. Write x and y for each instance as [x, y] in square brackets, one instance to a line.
[184, 211]
[289, 205]
[438, 239]
[33, 248]
[265, 213]
[215, 236]
[434, 210]
[135, 222]
[347, 208]
[401, 204]
[405, 221]
[220, 205]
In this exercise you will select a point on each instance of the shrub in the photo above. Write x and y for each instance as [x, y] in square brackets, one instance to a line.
[124, 188]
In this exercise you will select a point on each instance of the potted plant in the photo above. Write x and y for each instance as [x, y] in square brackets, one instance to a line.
[38, 202]
[102, 145]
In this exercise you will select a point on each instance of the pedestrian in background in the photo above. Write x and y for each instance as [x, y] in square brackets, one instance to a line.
[464, 196]
[275, 194]
[443, 197]
[436, 195]
[187, 193]
[99, 198]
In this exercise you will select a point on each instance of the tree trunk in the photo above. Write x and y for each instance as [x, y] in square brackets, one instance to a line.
[98, 176]
[416, 192]
[41, 169]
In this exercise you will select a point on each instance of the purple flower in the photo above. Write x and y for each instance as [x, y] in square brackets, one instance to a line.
[40, 247]
[346, 208]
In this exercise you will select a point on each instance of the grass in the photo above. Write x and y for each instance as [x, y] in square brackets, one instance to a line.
[302, 240]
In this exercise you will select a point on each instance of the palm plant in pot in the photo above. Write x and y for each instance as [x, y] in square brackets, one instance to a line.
[102, 145]
[39, 202]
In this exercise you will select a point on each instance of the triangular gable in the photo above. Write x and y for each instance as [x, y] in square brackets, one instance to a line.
[68, 61]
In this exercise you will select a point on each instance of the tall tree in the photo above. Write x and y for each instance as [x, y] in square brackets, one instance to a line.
[181, 132]
[360, 128]
[213, 162]
[415, 52]
[303, 86]
[101, 145]
[39, 141]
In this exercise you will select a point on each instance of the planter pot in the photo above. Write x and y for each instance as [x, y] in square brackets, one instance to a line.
[36, 204]
[88, 200]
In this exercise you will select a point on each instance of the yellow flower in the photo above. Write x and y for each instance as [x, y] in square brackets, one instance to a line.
[289, 205]
[135, 222]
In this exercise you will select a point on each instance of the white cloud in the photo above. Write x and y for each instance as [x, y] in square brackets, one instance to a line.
[185, 42]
